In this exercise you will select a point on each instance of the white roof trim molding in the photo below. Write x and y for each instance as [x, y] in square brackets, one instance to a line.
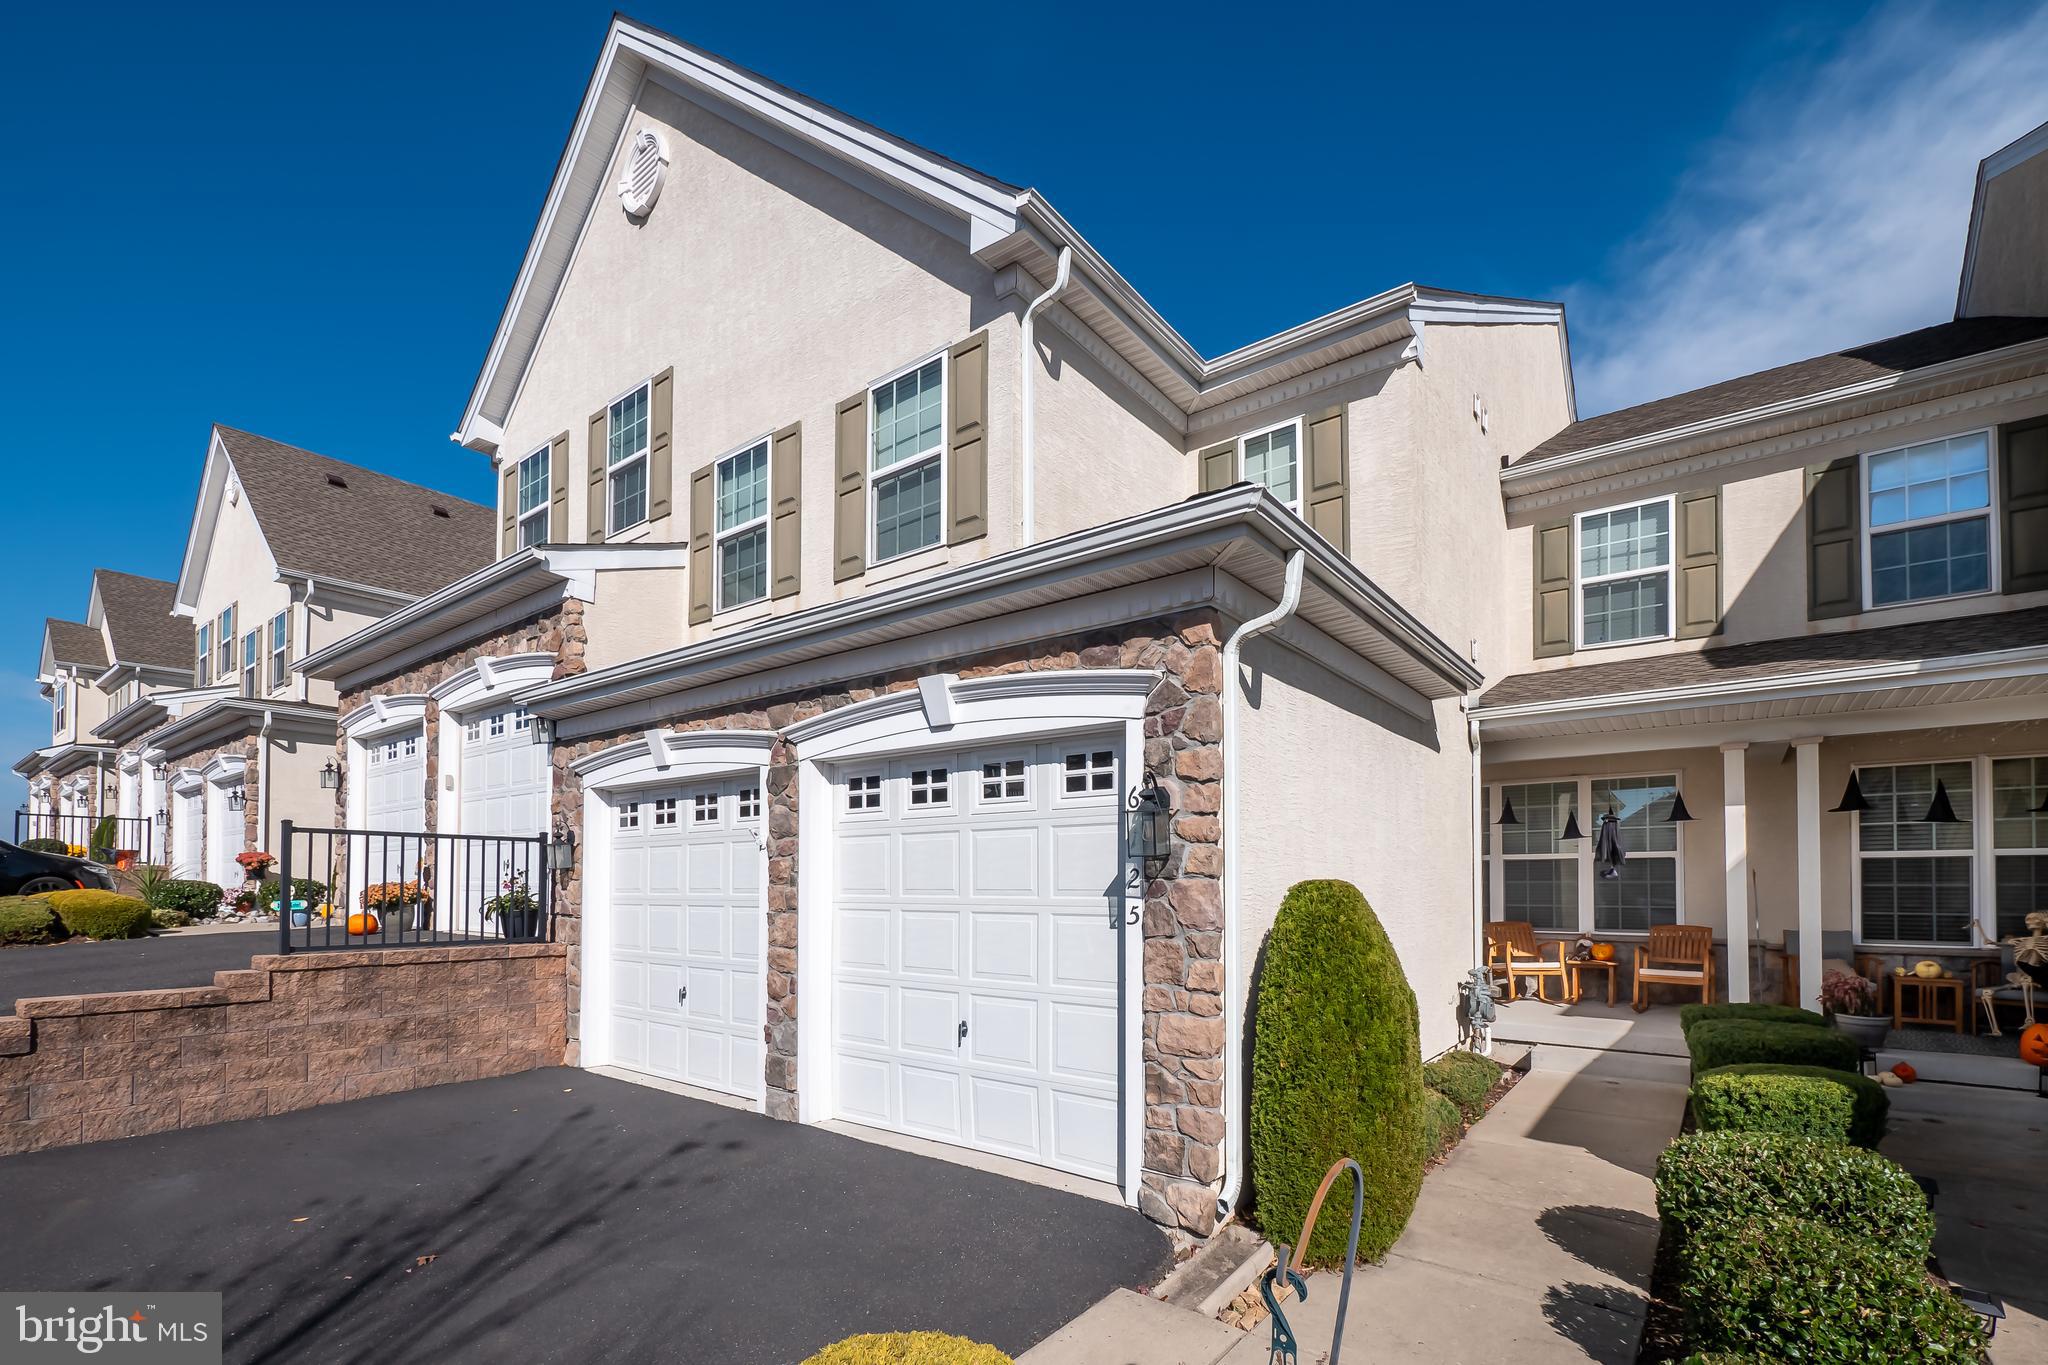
[660, 757]
[225, 770]
[492, 679]
[213, 484]
[2020, 150]
[381, 715]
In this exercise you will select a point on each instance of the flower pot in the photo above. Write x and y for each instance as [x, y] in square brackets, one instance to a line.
[519, 923]
[1868, 1030]
[301, 918]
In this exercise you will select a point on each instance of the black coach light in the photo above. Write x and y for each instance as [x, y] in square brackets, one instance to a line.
[1151, 820]
[330, 777]
[562, 848]
[160, 771]
[162, 816]
[236, 800]
[542, 731]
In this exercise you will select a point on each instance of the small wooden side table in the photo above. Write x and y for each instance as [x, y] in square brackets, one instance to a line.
[1593, 964]
[1936, 1000]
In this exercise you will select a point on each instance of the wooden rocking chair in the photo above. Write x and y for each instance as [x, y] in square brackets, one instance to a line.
[1676, 955]
[1512, 951]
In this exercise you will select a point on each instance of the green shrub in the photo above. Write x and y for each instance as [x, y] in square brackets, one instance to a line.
[57, 846]
[1782, 1289]
[1465, 1078]
[1708, 1179]
[1442, 1125]
[908, 1348]
[100, 914]
[303, 889]
[1805, 1101]
[103, 836]
[1336, 1071]
[200, 900]
[1688, 1015]
[1716, 1043]
[169, 919]
[28, 919]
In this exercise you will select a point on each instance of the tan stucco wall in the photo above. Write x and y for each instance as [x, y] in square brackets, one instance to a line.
[1763, 533]
[774, 290]
[635, 612]
[2011, 272]
[1101, 452]
[296, 793]
[1334, 783]
[85, 707]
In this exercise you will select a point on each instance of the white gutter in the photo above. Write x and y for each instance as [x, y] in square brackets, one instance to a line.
[1233, 966]
[1028, 360]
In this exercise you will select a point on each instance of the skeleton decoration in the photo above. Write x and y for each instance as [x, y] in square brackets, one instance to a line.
[1987, 996]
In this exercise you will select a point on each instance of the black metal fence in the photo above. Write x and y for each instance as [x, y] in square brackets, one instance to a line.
[376, 888]
[126, 833]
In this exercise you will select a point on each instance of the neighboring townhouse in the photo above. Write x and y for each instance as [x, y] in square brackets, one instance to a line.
[890, 608]
[68, 777]
[288, 550]
[1811, 602]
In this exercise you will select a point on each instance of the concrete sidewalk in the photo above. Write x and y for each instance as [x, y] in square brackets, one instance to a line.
[1533, 1243]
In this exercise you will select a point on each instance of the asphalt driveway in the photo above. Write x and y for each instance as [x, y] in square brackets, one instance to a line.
[559, 1215]
[127, 964]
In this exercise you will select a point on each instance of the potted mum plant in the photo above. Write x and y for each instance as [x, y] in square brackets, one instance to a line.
[254, 864]
[515, 908]
[1851, 1001]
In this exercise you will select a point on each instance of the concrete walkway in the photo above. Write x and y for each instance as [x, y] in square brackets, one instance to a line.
[1533, 1243]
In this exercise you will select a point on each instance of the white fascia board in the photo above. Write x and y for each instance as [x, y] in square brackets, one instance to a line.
[1987, 666]
[2021, 149]
[199, 535]
[230, 715]
[1731, 427]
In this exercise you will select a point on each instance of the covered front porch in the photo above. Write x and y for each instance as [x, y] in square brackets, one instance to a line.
[1836, 803]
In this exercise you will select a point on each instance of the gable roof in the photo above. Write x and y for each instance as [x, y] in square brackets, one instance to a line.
[999, 223]
[72, 642]
[1897, 355]
[139, 624]
[2023, 207]
[327, 519]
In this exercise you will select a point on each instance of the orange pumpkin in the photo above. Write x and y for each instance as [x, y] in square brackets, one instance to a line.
[362, 922]
[2034, 1044]
[1603, 952]
[1905, 1072]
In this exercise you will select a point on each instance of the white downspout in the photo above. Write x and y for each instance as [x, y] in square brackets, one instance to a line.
[1029, 360]
[1479, 836]
[1233, 967]
[263, 789]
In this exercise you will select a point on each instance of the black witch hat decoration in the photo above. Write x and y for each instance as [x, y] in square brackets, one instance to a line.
[1852, 796]
[1507, 811]
[1939, 811]
[1571, 827]
[1679, 814]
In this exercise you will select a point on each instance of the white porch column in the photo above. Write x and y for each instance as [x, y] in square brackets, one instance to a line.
[1735, 858]
[1811, 953]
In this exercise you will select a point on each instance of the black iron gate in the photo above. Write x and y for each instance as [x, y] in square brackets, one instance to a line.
[103, 837]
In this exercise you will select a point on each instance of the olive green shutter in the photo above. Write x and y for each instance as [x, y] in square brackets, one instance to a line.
[558, 489]
[849, 489]
[2023, 484]
[785, 511]
[594, 453]
[967, 440]
[276, 683]
[1551, 605]
[1219, 466]
[661, 469]
[1699, 564]
[700, 545]
[508, 504]
[1324, 499]
[1834, 534]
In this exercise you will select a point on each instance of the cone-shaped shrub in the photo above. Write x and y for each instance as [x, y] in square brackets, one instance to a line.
[1336, 1072]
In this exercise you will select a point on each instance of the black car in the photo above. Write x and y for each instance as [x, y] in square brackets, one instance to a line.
[25, 872]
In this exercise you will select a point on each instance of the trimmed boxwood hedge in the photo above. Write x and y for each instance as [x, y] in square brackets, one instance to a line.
[1715, 1043]
[1688, 1015]
[200, 900]
[1784, 1289]
[1336, 1072]
[28, 919]
[1805, 1101]
[908, 1348]
[101, 914]
[46, 846]
[1442, 1123]
[1464, 1078]
[1705, 1180]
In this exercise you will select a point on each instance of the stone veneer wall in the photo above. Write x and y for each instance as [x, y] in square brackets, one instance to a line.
[249, 748]
[1183, 912]
[288, 1033]
[558, 631]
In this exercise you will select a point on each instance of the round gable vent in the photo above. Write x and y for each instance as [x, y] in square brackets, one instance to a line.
[646, 167]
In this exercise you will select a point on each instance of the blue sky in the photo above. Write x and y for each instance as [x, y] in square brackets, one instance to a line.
[303, 220]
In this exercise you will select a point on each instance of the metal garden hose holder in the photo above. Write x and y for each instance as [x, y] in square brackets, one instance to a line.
[1285, 1276]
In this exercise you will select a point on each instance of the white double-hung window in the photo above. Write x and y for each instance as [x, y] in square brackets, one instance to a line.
[1914, 876]
[906, 460]
[625, 461]
[280, 641]
[1929, 522]
[1560, 885]
[1625, 574]
[224, 643]
[742, 531]
[60, 697]
[1272, 459]
[533, 499]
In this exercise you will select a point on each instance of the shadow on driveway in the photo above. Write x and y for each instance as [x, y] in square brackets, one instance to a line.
[559, 1215]
[127, 964]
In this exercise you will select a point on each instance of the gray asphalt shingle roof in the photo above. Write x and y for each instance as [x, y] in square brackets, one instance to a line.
[74, 642]
[1894, 355]
[335, 520]
[139, 620]
[1784, 657]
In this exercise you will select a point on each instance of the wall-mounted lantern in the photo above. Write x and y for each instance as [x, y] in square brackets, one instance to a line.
[541, 731]
[1150, 822]
[162, 816]
[160, 771]
[562, 848]
[330, 777]
[236, 800]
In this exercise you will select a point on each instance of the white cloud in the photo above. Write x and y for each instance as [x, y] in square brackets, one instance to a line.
[1831, 212]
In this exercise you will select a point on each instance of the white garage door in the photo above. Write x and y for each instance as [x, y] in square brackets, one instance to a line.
[395, 798]
[975, 995]
[189, 829]
[504, 791]
[687, 916]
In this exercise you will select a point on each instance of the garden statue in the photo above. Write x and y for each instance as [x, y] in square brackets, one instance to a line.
[1477, 1011]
